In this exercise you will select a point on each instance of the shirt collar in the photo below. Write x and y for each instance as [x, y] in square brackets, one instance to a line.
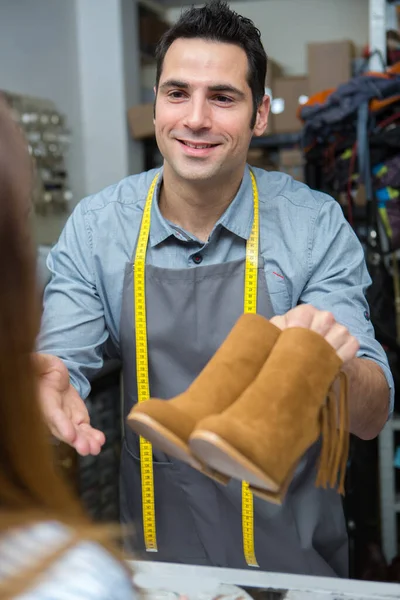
[238, 217]
[160, 228]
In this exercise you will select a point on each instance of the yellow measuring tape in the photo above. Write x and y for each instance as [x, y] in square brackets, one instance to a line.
[142, 370]
[142, 373]
[250, 306]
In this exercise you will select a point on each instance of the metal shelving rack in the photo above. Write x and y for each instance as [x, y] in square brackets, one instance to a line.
[389, 495]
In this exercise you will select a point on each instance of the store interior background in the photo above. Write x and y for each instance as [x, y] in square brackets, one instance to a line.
[91, 61]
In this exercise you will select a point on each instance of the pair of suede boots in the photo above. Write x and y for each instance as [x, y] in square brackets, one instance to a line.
[263, 399]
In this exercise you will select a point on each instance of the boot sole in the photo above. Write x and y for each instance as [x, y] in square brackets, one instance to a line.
[272, 498]
[277, 497]
[166, 441]
[225, 459]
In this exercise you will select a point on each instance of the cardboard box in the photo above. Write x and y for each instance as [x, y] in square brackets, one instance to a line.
[292, 163]
[261, 158]
[140, 119]
[290, 158]
[288, 94]
[329, 64]
[151, 29]
[274, 70]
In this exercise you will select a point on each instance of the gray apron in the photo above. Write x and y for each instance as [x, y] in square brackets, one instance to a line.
[189, 313]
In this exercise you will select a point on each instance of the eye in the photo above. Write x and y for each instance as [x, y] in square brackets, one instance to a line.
[176, 95]
[223, 99]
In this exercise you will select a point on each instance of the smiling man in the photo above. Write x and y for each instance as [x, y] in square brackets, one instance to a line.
[205, 119]
[200, 213]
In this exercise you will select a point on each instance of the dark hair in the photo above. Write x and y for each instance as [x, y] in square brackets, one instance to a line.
[218, 23]
[31, 488]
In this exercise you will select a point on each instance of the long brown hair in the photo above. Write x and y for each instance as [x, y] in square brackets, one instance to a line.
[31, 489]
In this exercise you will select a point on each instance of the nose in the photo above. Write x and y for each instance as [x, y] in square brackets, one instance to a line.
[198, 114]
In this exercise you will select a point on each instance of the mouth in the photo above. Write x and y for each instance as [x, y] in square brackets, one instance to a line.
[197, 148]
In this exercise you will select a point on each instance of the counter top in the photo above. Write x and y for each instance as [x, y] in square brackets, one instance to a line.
[276, 585]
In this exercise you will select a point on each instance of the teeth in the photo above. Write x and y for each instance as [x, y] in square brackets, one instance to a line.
[198, 146]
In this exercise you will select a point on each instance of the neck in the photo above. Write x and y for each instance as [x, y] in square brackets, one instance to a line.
[196, 206]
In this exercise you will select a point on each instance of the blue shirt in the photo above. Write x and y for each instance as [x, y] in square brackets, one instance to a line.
[310, 253]
[85, 571]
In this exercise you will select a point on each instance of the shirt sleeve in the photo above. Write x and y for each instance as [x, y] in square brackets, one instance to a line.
[86, 571]
[338, 280]
[73, 323]
[96, 576]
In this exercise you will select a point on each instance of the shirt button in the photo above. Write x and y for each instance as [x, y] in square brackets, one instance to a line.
[197, 258]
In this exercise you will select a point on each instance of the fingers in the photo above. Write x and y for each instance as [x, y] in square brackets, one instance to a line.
[279, 321]
[81, 436]
[324, 323]
[342, 341]
[305, 316]
[89, 440]
[301, 316]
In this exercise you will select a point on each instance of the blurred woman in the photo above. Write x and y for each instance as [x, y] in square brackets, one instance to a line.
[48, 547]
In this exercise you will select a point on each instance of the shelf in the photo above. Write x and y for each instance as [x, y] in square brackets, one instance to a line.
[276, 140]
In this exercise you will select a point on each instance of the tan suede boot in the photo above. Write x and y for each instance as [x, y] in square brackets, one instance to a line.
[262, 436]
[168, 424]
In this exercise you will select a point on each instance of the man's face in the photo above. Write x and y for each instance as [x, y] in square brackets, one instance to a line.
[204, 108]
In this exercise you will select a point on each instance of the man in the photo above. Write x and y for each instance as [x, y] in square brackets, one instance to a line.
[209, 103]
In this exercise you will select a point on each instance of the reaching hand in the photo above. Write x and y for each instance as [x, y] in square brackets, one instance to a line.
[64, 410]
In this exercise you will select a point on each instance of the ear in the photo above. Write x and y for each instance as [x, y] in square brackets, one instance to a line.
[262, 116]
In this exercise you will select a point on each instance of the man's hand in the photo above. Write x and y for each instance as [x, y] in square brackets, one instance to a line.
[64, 410]
[322, 322]
[368, 387]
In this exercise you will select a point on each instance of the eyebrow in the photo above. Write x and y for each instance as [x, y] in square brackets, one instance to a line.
[222, 87]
